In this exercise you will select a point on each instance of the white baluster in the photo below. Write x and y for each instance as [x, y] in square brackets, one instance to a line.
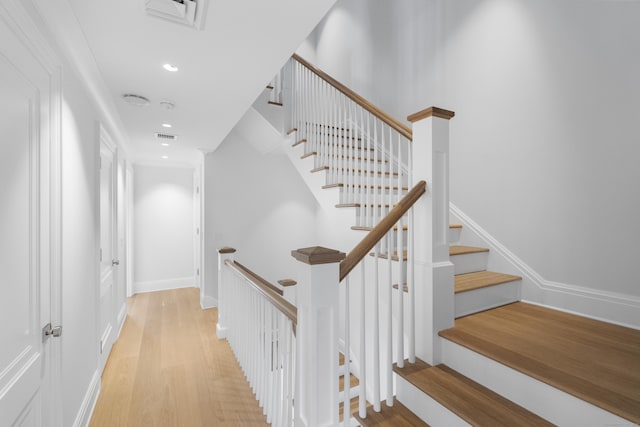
[411, 272]
[362, 401]
[346, 404]
[389, 346]
[401, 265]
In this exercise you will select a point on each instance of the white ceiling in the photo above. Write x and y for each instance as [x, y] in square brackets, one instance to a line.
[223, 68]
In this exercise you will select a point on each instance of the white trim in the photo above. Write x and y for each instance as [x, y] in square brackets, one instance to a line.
[163, 285]
[597, 304]
[207, 301]
[122, 315]
[89, 402]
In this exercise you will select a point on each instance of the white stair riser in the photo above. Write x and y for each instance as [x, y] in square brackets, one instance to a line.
[470, 263]
[544, 400]
[454, 235]
[348, 195]
[486, 298]
[426, 408]
[360, 178]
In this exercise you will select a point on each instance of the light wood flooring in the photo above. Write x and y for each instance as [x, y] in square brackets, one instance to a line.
[594, 361]
[169, 369]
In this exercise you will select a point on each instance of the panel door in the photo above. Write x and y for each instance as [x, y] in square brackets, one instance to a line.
[108, 249]
[25, 270]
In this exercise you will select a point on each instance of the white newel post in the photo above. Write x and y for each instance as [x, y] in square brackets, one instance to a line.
[317, 336]
[433, 269]
[224, 254]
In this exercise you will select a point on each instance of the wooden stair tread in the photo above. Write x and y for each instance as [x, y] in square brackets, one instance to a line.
[298, 142]
[481, 279]
[315, 153]
[325, 168]
[395, 228]
[277, 104]
[595, 361]
[469, 400]
[360, 205]
[462, 250]
[348, 146]
[379, 187]
[397, 415]
[405, 287]
[394, 257]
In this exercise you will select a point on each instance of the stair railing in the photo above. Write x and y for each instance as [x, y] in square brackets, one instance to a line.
[362, 148]
[260, 326]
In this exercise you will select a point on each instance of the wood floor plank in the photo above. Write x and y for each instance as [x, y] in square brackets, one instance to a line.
[169, 369]
[595, 361]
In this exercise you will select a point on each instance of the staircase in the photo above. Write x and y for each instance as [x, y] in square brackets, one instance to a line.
[502, 362]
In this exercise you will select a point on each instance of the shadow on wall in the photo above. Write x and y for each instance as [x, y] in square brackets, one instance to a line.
[258, 204]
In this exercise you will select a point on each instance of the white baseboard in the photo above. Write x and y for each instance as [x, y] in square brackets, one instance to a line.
[163, 285]
[122, 314]
[89, 402]
[208, 302]
[597, 304]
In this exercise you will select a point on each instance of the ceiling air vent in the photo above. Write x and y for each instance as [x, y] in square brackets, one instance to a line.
[165, 136]
[186, 12]
[137, 100]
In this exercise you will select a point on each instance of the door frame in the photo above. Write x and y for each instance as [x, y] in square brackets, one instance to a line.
[104, 139]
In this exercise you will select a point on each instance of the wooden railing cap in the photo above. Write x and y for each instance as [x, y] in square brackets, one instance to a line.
[226, 250]
[318, 255]
[287, 282]
[431, 112]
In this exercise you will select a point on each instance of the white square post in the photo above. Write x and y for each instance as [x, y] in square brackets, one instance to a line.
[434, 271]
[224, 254]
[317, 336]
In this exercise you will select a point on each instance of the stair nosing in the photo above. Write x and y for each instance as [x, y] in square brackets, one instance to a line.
[441, 391]
[500, 280]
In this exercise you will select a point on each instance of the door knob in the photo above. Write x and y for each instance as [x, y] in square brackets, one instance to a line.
[115, 262]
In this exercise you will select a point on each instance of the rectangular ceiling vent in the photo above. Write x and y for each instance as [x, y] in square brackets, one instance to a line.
[165, 136]
[186, 12]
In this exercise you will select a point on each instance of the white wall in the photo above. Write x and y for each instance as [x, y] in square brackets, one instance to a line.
[257, 204]
[544, 143]
[163, 228]
[78, 367]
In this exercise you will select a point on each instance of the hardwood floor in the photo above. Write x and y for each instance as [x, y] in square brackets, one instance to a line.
[168, 368]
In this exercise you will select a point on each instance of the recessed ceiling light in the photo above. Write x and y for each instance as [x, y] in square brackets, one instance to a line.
[166, 125]
[165, 144]
[170, 67]
[165, 157]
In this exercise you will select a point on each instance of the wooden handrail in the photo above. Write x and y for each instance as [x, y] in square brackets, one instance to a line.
[268, 290]
[362, 249]
[400, 127]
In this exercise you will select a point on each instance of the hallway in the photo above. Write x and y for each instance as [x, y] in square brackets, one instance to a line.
[169, 369]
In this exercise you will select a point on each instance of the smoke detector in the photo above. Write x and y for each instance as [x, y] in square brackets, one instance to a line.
[186, 12]
[137, 100]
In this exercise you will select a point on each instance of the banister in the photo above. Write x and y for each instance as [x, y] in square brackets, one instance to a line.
[400, 127]
[268, 290]
[361, 249]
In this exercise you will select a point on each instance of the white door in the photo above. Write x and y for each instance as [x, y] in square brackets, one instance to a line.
[26, 229]
[108, 248]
